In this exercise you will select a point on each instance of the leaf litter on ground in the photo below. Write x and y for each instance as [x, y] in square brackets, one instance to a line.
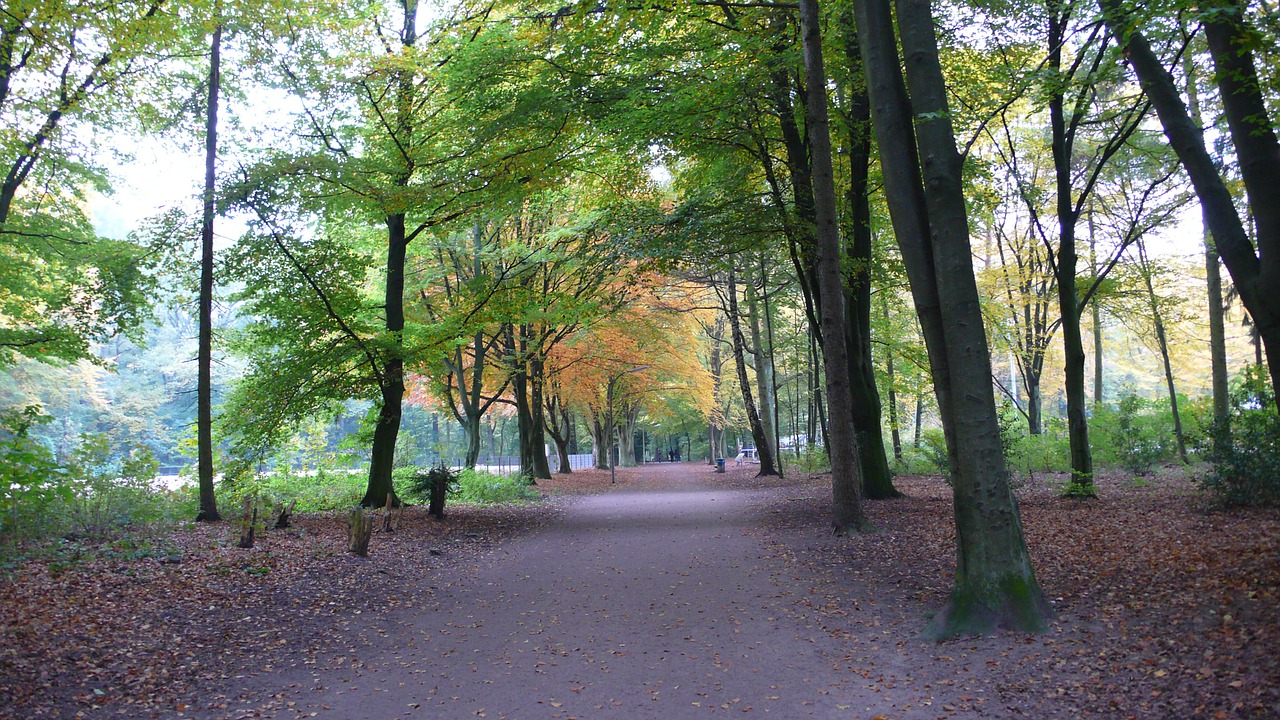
[1164, 606]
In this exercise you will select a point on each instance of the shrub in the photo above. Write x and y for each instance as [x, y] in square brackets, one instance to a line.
[30, 479]
[1245, 450]
[479, 486]
[111, 490]
[933, 445]
[1050, 451]
[812, 459]
[914, 461]
[1134, 436]
[417, 481]
[316, 491]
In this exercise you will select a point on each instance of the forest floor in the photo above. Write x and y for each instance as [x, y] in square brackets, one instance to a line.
[675, 593]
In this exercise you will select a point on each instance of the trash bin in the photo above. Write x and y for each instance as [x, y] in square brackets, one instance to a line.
[720, 465]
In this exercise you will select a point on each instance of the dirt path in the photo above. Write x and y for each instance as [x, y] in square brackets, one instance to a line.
[662, 602]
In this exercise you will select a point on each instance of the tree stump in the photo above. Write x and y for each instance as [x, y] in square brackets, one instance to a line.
[439, 491]
[359, 530]
[284, 514]
[387, 524]
[247, 522]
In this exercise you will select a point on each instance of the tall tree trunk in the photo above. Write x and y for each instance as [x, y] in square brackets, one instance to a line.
[1256, 272]
[763, 364]
[801, 242]
[600, 441]
[538, 427]
[915, 441]
[763, 450]
[471, 429]
[1035, 403]
[627, 436]
[877, 479]
[204, 380]
[1213, 277]
[526, 386]
[715, 449]
[895, 426]
[560, 428]
[1068, 297]
[846, 475]
[383, 451]
[994, 582]
[1096, 310]
[391, 383]
[1162, 341]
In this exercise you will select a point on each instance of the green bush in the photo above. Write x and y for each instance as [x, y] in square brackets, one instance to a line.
[1134, 435]
[1050, 451]
[31, 481]
[812, 459]
[416, 481]
[316, 491]
[1245, 450]
[914, 461]
[478, 486]
[111, 491]
[933, 446]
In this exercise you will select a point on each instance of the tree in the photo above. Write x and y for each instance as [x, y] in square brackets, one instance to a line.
[846, 475]
[994, 582]
[63, 67]
[204, 383]
[1228, 31]
[418, 138]
[764, 446]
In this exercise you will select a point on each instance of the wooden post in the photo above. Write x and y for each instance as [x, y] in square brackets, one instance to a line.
[359, 530]
[247, 522]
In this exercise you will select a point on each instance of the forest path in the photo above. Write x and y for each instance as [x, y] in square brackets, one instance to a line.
[660, 602]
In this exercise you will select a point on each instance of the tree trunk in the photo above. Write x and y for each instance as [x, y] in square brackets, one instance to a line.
[523, 387]
[538, 427]
[204, 381]
[1035, 403]
[895, 427]
[391, 381]
[994, 583]
[1096, 310]
[877, 479]
[774, 402]
[1162, 341]
[627, 437]
[383, 451]
[846, 475]
[763, 450]
[471, 429]
[248, 522]
[715, 447]
[560, 428]
[763, 365]
[359, 531]
[1065, 269]
[919, 415]
[1213, 278]
[438, 494]
[600, 439]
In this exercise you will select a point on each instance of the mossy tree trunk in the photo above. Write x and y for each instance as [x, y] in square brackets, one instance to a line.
[994, 583]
